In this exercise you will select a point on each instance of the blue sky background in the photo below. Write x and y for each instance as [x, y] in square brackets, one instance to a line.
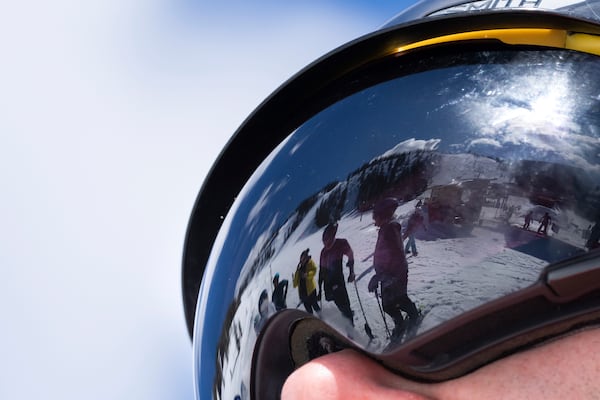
[111, 113]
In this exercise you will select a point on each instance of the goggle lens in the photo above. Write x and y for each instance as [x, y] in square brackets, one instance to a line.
[446, 178]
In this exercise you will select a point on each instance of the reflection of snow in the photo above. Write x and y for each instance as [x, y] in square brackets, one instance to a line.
[412, 145]
[448, 277]
[485, 141]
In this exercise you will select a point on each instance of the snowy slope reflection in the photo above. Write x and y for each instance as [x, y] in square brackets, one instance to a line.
[461, 262]
[472, 246]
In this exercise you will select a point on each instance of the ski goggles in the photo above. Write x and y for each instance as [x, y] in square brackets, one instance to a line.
[428, 195]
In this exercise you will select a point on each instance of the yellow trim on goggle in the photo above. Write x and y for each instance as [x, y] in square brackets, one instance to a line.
[557, 38]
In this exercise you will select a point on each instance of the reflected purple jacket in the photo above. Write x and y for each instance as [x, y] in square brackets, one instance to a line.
[389, 259]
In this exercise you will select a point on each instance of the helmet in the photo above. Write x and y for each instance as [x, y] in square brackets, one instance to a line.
[329, 232]
[477, 111]
[304, 255]
[385, 208]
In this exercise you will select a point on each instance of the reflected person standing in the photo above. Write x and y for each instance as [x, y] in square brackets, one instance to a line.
[331, 275]
[304, 280]
[391, 269]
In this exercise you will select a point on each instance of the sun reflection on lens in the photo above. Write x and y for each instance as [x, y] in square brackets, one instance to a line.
[535, 109]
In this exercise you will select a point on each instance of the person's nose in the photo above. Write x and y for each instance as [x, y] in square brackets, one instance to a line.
[349, 375]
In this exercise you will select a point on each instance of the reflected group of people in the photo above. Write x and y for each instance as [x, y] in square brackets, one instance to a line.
[327, 281]
[389, 263]
[544, 221]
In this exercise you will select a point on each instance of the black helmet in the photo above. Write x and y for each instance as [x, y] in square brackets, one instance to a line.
[479, 110]
[330, 231]
[385, 208]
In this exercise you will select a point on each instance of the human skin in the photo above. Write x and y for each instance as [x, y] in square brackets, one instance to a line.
[565, 369]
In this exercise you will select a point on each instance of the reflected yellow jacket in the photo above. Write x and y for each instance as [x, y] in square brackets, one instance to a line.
[311, 271]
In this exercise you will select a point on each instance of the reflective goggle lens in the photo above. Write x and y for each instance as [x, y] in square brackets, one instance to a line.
[437, 189]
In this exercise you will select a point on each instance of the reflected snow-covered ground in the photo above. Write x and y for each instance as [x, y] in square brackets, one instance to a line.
[457, 269]
[461, 264]
[449, 276]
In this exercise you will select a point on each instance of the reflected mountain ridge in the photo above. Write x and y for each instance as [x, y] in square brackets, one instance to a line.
[394, 173]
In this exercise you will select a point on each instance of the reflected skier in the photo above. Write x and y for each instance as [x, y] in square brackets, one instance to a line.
[304, 280]
[528, 218]
[414, 222]
[331, 275]
[594, 237]
[279, 292]
[391, 269]
[543, 228]
[265, 310]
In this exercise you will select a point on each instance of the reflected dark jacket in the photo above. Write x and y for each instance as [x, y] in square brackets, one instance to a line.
[389, 259]
[331, 262]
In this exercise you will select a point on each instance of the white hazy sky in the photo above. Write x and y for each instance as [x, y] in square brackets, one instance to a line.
[111, 113]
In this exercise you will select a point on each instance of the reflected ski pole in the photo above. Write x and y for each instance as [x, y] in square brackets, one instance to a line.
[367, 327]
[367, 257]
[387, 330]
[320, 297]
